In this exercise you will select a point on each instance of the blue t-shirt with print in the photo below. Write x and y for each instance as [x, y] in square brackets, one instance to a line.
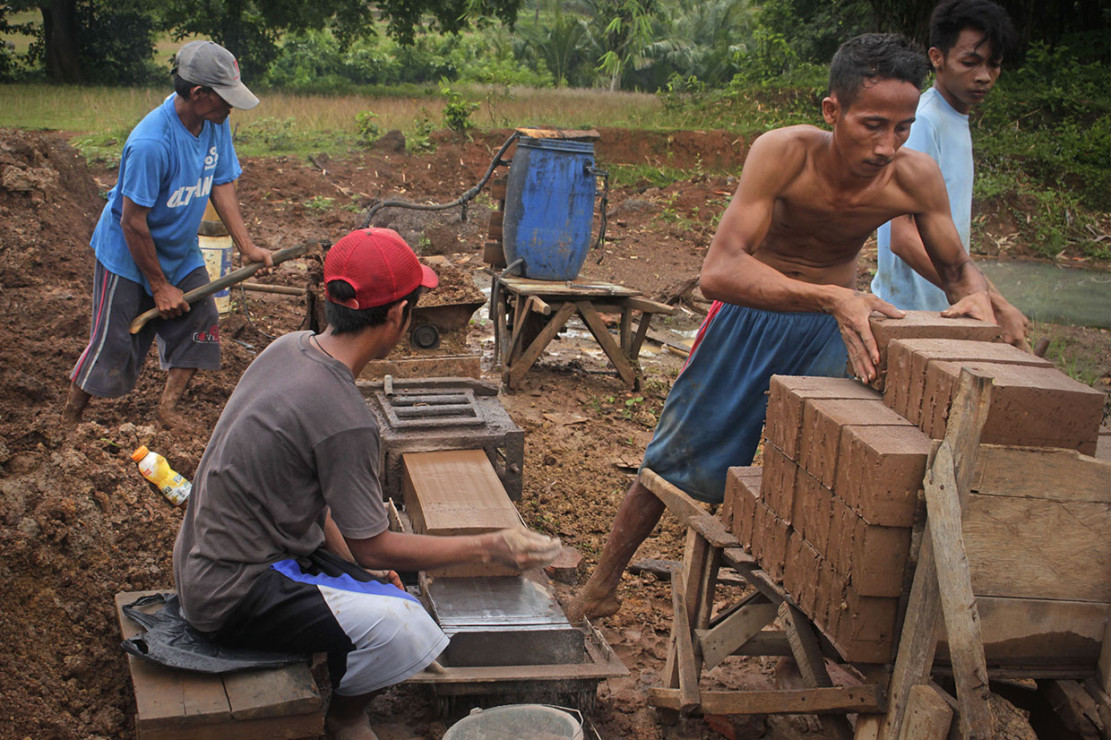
[941, 132]
[166, 168]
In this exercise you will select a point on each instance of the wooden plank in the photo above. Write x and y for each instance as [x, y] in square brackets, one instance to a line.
[918, 640]
[521, 365]
[1031, 632]
[639, 303]
[165, 698]
[804, 646]
[1074, 706]
[282, 704]
[1043, 473]
[867, 698]
[928, 715]
[598, 328]
[689, 580]
[811, 664]
[742, 624]
[296, 727]
[1103, 666]
[682, 506]
[272, 693]
[1038, 548]
[571, 290]
[958, 604]
[713, 531]
[559, 133]
[684, 646]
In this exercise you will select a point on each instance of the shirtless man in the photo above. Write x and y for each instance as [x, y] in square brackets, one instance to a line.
[781, 270]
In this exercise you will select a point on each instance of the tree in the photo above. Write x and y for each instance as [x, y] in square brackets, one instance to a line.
[626, 31]
[101, 41]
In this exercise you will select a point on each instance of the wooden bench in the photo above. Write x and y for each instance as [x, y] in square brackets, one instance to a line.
[280, 704]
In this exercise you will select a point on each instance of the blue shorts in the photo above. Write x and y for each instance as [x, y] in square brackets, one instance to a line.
[114, 357]
[714, 414]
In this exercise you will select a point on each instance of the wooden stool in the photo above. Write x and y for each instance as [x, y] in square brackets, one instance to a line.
[276, 704]
[529, 313]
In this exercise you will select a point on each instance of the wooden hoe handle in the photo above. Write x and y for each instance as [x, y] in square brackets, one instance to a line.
[219, 284]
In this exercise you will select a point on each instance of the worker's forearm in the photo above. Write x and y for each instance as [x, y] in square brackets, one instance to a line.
[761, 286]
[419, 552]
[962, 280]
[142, 249]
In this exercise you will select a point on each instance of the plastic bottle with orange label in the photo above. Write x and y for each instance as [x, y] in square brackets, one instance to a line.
[157, 470]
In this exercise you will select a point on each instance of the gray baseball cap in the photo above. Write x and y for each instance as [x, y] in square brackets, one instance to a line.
[211, 65]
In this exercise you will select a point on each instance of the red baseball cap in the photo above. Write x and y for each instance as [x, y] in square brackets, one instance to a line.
[379, 265]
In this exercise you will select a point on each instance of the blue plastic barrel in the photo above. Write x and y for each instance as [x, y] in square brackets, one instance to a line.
[549, 207]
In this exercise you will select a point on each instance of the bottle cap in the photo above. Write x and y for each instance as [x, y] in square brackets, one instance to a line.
[140, 453]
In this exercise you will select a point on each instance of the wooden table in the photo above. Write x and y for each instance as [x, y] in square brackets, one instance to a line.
[529, 313]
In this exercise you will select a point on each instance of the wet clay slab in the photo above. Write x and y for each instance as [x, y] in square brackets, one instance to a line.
[452, 492]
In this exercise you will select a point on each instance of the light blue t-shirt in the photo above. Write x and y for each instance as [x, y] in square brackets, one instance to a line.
[166, 168]
[941, 132]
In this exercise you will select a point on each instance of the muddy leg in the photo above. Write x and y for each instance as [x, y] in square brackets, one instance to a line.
[347, 718]
[636, 518]
[76, 402]
[177, 380]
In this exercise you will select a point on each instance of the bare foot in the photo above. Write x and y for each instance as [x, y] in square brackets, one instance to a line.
[172, 419]
[76, 402]
[357, 730]
[589, 606]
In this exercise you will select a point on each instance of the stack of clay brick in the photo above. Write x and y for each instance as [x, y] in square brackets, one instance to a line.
[830, 513]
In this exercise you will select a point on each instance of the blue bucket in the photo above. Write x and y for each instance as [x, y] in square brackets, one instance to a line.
[549, 207]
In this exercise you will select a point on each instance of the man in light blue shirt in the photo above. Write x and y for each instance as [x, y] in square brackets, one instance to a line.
[968, 40]
[178, 158]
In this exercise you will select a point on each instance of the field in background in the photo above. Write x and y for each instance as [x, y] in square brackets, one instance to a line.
[101, 117]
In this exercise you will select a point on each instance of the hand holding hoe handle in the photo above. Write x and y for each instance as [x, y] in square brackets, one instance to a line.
[226, 281]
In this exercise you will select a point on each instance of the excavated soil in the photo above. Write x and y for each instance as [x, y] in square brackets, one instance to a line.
[78, 524]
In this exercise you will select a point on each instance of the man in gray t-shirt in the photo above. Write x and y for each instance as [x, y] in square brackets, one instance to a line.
[287, 511]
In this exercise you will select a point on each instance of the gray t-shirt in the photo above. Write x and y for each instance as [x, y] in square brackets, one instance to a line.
[295, 437]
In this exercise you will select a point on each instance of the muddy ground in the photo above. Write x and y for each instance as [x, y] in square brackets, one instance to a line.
[78, 523]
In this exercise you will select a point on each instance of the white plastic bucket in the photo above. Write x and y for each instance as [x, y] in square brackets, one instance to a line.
[517, 722]
[217, 260]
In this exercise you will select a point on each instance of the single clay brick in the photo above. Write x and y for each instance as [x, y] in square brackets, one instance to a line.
[866, 631]
[925, 325]
[778, 483]
[812, 570]
[742, 486]
[794, 573]
[907, 360]
[842, 532]
[770, 535]
[785, 401]
[879, 560]
[760, 530]
[1031, 406]
[830, 603]
[806, 504]
[880, 472]
[821, 437]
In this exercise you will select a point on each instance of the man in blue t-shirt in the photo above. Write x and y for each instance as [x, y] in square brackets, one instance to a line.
[968, 41]
[177, 158]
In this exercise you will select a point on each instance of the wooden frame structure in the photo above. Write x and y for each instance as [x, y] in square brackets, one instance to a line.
[529, 313]
[941, 604]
